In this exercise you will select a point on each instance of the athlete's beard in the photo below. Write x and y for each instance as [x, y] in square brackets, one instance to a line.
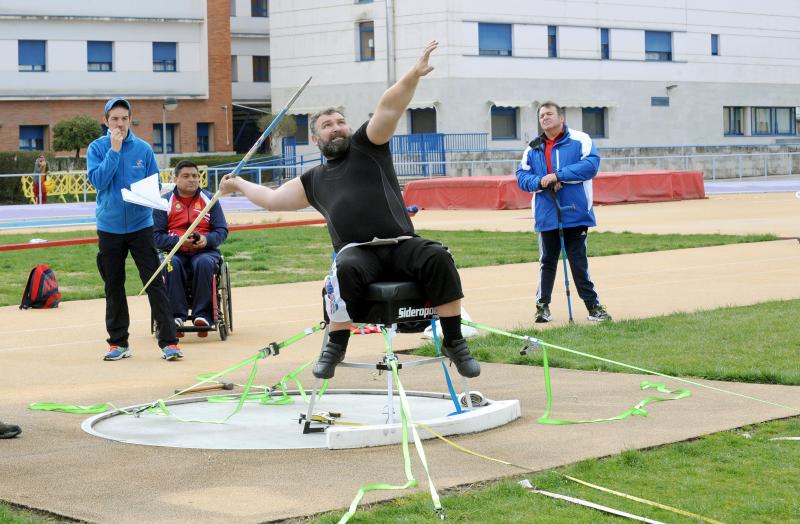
[335, 147]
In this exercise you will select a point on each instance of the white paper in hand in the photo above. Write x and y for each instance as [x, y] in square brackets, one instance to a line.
[146, 193]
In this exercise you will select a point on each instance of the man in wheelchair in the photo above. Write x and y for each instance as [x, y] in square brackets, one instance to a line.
[198, 256]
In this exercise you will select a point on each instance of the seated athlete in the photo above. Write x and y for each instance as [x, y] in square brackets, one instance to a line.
[199, 251]
[357, 191]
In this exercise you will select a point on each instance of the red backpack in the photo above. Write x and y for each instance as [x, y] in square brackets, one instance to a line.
[41, 291]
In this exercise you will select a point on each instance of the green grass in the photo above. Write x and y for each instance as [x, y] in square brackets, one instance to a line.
[742, 344]
[12, 515]
[735, 476]
[300, 254]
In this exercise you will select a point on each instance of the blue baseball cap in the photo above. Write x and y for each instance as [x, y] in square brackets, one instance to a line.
[116, 101]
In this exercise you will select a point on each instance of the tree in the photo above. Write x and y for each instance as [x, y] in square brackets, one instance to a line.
[286, 127]
[75, 133]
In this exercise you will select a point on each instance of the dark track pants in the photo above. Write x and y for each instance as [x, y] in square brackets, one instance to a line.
[416, 259]
[114, 249]
[201, 265]
[549, 253]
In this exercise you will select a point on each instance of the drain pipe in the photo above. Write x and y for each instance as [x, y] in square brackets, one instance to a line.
[391, 55]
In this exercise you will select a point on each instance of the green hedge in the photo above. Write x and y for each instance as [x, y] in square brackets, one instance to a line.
[214, 160]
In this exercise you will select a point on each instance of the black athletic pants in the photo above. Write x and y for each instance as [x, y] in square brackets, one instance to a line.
[114, 249]
[416, 259]
[549, 252]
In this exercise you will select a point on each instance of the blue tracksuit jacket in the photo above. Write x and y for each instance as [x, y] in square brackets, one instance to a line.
[575, 162]
[109, 172]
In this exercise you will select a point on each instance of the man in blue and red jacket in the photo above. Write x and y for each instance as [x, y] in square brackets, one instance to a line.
[199, 252]
[558, 166]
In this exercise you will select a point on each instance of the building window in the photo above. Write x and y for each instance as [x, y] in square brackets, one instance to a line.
[784, 118]
[762, 125]
[363, 1]
[164, 54]
[233, 7]
[32, 56]
[733, 119]
[714, 45]
[99, 56]
[659, 101]
[366, 41]
[31, 138]
[594, 121]
[504, 123]
[259, 8]
[494, 39]
[422, 120]
[203, 144]
[658, 46]
[773, 121]
[157, 147]
[605, 48]
[301, 135]
[260, 69]
[552, 41]
[234, 68]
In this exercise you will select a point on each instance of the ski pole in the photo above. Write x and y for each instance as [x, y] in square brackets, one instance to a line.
[559, 208]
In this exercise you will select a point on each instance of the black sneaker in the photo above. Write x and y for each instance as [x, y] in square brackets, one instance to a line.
[543, 312]
[9, 430]
[465, 363]
[331, 355]
[598, 313]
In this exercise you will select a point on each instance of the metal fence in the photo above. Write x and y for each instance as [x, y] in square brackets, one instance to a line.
[466, 142]
[413, 164]
[714, 166]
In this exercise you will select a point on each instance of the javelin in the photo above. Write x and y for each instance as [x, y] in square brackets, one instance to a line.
[235, 172]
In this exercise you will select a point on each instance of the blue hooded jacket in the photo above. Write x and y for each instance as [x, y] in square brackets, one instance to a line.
[575, 162]
[109, 172]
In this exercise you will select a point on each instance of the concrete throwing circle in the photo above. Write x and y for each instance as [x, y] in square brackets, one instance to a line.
[259, 426]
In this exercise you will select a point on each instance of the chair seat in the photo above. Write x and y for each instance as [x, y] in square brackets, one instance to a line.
[395, 302]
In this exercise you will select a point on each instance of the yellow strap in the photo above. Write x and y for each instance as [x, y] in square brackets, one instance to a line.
[594, 486]
[643, 501]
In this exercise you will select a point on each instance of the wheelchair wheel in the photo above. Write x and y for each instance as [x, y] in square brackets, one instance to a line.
[228, 300]
[224, 316]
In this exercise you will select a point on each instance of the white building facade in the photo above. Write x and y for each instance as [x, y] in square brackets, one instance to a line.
[638, 73]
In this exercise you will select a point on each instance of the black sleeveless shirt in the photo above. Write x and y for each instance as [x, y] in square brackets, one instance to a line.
[358, 194]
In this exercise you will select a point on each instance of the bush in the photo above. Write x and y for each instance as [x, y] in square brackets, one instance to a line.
[214, 160]
[75, 133]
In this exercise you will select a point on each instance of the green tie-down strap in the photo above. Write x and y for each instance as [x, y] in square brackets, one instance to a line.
[406, 420]
[159, 406]
[637, 410]
[266, 396]
[71, 408]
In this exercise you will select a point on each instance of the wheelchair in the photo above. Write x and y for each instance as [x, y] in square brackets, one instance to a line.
[221, 297]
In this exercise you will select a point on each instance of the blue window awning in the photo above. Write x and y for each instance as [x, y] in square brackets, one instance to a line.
[97, 51]
[31, 132]
[163, 51]
[32, 53]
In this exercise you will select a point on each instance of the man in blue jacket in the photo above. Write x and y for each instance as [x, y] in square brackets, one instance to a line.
[198, 253]
[558, 166]
[115, 161]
